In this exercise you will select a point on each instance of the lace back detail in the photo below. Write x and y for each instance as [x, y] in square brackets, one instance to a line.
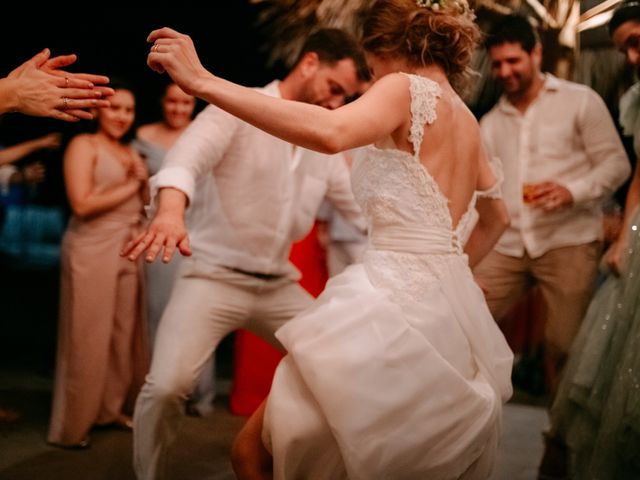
[424, 98]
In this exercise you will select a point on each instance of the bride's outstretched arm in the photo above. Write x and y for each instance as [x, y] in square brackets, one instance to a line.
[374, 115]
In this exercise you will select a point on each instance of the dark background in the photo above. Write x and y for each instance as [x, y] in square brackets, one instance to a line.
[111, 41]
[226, 36]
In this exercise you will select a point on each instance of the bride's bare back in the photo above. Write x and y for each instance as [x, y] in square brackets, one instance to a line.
[451, 150]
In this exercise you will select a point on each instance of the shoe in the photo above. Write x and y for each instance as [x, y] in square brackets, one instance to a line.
[82, 445]
[125, 422]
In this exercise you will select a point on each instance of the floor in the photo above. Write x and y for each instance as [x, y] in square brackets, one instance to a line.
[27, 348]
[201, 452]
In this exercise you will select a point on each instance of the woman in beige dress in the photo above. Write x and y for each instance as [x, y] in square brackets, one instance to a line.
[102, 354]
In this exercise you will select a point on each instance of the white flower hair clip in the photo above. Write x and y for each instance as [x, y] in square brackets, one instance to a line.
[461, 5]
[432, 4]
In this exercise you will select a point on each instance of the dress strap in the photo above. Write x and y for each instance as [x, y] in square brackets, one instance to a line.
[424, 98]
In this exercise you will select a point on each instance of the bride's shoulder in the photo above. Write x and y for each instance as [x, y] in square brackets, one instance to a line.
[398, 79]
[393, 85]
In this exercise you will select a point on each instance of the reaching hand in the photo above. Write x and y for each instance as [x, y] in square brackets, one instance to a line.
[39, 87]
[164, 232]
[77, 80]
[175, 53]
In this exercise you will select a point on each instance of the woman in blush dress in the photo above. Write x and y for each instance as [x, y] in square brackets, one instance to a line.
[102, 352]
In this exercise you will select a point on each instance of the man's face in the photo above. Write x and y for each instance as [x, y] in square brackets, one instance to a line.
[513, 67]
[626, 38]
[330, 85]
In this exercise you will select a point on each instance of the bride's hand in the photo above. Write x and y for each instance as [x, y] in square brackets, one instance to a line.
[175, 53]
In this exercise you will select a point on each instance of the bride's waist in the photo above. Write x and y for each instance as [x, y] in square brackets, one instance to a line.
[415, 241]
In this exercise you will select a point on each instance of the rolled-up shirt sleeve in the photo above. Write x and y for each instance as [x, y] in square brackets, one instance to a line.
[196, 152]
[604, 149]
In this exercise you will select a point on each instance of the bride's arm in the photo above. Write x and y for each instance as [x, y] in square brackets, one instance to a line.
[493, 217]
[376, 114]
[492, 222]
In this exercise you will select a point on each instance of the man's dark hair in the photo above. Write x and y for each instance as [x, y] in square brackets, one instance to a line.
[624, 12]
[332, 45]
[513, 28]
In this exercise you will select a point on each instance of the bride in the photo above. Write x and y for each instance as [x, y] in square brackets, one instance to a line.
[398, 370]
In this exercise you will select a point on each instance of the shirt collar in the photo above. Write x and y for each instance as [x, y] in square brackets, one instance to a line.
[551, 84]
[273, 89]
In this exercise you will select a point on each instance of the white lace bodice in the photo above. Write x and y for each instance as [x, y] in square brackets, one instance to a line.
[395, 190]
[410, 225]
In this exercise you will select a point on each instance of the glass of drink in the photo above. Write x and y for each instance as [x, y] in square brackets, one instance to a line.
[528, 192]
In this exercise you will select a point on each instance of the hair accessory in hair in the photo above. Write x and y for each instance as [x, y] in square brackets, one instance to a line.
[432, 4]
[461, 5]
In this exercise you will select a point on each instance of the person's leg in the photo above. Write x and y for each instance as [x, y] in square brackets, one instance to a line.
[159, 279]
[200, 401]
[200, 313]
[84, 337]
[249, 457]
[279, 302]
[503, 280]
[567, 278]
[119, 374]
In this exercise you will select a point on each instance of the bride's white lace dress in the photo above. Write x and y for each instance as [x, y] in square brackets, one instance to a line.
[398, 371]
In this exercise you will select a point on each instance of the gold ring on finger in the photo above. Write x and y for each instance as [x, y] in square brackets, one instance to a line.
[66, 82]
[65, 102]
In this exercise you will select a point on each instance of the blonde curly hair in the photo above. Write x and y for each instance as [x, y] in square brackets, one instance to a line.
[446, 36]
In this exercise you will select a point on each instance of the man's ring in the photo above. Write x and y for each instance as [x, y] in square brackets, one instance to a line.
[154, 48]
[64, 102]
[66, 82]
